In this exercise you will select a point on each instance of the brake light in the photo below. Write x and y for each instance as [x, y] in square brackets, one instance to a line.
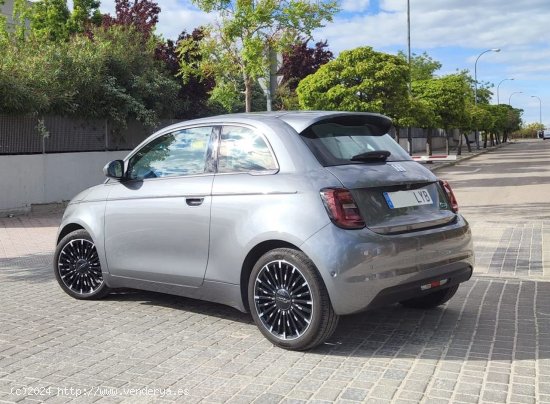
[341, 208]
[450, 195]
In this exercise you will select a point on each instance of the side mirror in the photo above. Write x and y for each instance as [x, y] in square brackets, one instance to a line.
[114, 169]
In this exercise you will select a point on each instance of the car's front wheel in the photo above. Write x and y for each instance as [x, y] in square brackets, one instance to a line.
[289, 302]
[431, 300]
[77, 267]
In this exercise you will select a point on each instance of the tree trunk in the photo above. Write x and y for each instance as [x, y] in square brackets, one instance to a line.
[248, 94]
[447, 142]
[467, 142]
[429, 142]
[484, 140]
[459, 147]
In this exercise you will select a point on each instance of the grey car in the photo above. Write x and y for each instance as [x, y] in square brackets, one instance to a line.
[296, 217]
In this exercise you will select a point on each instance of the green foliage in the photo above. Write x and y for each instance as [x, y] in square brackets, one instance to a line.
[235, 51]
[51, 20]
[530, 130]
[48, 19]
[84, 12]
[358, 80]
[3, 27]
[423, 67]
[115, 76]
[446, 97]
[482, 117]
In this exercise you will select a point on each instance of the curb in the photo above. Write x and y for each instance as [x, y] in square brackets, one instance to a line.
[471, 156]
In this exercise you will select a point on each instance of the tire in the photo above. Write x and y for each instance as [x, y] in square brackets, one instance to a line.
[277, 281]
[77, 268]
[431, 300]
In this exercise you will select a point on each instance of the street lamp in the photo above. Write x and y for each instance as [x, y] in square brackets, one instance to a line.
[409, 129]
[540, 111]
[498, 88]
[510, 98]
[475, 85]
[475, 71]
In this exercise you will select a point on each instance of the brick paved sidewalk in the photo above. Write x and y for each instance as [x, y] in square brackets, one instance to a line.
[491, 343]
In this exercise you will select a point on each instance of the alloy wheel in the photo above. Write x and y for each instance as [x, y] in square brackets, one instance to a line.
[283, 300]
[79, 267]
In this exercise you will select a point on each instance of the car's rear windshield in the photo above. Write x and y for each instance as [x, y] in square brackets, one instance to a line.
[337, 144]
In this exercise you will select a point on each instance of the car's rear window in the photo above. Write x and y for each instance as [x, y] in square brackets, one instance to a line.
[336, 143]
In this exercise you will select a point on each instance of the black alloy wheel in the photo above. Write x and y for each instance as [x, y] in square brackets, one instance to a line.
[77, 267]
[289, 301]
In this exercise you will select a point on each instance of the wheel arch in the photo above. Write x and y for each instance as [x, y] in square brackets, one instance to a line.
[69, 228]
[252, 257]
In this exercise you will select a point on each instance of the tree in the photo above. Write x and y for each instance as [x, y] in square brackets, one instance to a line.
[446, 96]
[114, 76]
[423, 67]
[141, 14]
[84, 12]
[530, 130]
[300, 61]
[194, 93]
[48, 20]
[237, 49]
[3, 26]
[358, 80]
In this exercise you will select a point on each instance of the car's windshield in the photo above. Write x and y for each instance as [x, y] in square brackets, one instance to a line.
[337, 144]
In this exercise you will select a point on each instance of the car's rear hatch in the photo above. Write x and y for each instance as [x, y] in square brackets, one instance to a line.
[393, 193]
[396, 197]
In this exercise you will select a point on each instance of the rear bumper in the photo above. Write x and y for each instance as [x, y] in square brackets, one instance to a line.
[410, 290]
[362, 269]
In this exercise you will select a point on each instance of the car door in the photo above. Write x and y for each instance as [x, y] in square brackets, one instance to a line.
[157, 220]
[247, 197]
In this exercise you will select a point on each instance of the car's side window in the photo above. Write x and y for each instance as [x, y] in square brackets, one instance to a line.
[243, 150]
[178, 153]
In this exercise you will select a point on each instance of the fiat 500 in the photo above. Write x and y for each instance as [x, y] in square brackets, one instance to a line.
[296, 217]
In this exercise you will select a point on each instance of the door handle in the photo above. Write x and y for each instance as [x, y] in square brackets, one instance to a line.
[194, 201]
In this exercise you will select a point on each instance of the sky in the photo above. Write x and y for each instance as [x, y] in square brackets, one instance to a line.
[454, 32]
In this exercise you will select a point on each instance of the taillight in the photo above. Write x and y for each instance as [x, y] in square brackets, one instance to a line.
[341, 208]
[450, 195]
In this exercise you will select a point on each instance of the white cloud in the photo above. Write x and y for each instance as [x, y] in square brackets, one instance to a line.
[175, 16]
[354, 5]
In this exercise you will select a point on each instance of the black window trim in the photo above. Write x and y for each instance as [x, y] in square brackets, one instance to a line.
[209, 161]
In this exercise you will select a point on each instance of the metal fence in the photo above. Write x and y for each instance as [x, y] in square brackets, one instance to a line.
[54, 134]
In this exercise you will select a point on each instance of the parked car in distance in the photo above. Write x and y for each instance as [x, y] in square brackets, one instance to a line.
[297, 217]
[544, 134]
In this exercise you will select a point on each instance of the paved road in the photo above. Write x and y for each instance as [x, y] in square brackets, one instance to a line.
[491, 343]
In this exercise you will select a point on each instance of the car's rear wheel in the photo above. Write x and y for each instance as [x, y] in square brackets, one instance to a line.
[431, 300]
[289, 302]
[77, 267]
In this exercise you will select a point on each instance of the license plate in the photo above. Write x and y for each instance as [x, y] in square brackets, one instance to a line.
[404, 199]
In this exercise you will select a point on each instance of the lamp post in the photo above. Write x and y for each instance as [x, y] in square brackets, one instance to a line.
[475, 85]
[510, 98]
[475, 70]
[540, 110]
[498, 88]
[409, 129]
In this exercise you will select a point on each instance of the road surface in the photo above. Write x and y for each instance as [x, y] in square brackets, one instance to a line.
[489, 344]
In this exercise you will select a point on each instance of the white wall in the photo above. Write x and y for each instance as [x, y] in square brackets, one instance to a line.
[49, 178]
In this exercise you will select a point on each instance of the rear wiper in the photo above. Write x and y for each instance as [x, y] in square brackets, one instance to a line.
[378, 155]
